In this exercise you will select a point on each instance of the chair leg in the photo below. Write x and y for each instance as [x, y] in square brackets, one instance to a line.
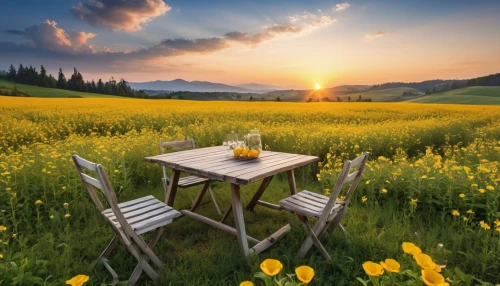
[142, 265]
[315, 240]
[107, 251]
[213, 199]
[138, 269]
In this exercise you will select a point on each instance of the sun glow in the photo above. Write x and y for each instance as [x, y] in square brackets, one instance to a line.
[317, 86]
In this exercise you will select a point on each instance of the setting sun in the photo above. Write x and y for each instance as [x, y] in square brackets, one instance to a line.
[317, 86]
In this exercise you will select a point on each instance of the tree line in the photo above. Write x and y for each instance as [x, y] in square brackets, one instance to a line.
[30, 76]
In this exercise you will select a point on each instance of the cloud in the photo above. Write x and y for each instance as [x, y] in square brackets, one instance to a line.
[15, 32]
[48, 37]
[118, 14]
[174, 47]
[270, 32]
[341, 7]
[375, 35]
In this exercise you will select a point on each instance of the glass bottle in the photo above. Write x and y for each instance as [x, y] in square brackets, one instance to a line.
[254, 141]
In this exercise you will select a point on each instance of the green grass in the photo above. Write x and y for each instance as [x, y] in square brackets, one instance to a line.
[383, 95]
[482, 95]
[36, 91]
[386, 95]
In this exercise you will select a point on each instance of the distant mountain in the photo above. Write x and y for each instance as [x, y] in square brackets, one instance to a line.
[183, 85]
[259, 87]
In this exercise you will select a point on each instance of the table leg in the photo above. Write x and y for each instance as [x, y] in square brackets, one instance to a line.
[172, 187]
[291, 182]
[260, 191]
[200, 196]
[239, 221]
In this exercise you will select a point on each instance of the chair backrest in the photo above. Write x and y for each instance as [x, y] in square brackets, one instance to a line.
[352, 171]
[102, 183]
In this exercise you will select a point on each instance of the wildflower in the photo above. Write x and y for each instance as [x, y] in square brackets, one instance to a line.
[51, 217]
[465, 218]
[44, 170]
[484, 225]
[411, 248]
[271, 267]
[65, 205]
[497, 223]
[38, 202]
[373, 269]
[455, 212]
[481, 191]
[8, 189]
[246, 283]
[304, 273]
[67, 215]
[364, 199]
[440, 245]
[462, 196]
[116, 171]
[1, 256]
[391, 265]
[490, 188]
[2, 228]
[367, 182]
[413, 201]
[63, 187]
[470, 178]
[432, 278]
[470, 211]
[474, 185]
[384, 191]
[14, 235]
[78, 280]
[326, 192]
[424, 177]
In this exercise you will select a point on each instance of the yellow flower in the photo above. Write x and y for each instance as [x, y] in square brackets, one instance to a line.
[443, 284]
[481, 191]
[367, 182]
[422, 258]
[391, 265]
[38, 202]
[465, 218]
[373, 269]
[413, 201]
[462, 196]
[65, 205]
[490, 188]
[1, 256]
[455, 212]
[470, 211]
[384, 191]
[67, 215]
[271, 267]
[364, 199]
[246, 283]
[411, 248]
[484, 225]
[8, 189]
[432, 278]
[64, 188]
[2, 228]
[340, 198]
[304, 273]
[474, 185]
[116, 171]
[78, 280]
[424, 177]
[497, 223]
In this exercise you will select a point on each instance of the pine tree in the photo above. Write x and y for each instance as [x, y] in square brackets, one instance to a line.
[11, 75]
[21, 74]
[100, 86]
[61, 80]
[43, 80]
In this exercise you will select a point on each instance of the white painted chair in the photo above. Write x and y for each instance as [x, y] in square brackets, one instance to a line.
[189, 181]
[128, 220]
[327, 210]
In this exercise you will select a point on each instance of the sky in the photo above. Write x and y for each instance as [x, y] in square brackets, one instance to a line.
[290, 44]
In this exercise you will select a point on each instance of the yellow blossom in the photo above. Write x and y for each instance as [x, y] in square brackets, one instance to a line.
[2, 228]
[455, 212]
[304, 273]
[1, 256]
[432, 278]
[271, 267]
[391, 265]
[373, 269]
[462, 196]
[38, 202]
[497, 223]
[246, 283]
[424, 177]
[367, 182]
[470, 211]
[484, 225]
[67, 215]
[78, 280]
[481, 191]
[465, 218]
[411, 248]
[364, 199]
[413, 201]
[384, 191]
[490, 188]
[8, 189]
[474, 185]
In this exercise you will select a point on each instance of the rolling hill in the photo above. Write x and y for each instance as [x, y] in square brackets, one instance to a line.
[482, 95]
[183, 85]
[36, 91]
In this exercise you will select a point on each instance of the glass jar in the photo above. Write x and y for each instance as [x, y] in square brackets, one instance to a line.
[253, 140]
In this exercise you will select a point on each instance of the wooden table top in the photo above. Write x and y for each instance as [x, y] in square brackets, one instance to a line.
[215, 164]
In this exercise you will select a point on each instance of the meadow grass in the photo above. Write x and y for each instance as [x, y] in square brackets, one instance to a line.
[485, 95]
[431, 155]
[37, 91]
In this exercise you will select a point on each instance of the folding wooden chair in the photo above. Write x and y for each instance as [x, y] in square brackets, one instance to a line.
[128, 220]
[189, 181]
[328, 210]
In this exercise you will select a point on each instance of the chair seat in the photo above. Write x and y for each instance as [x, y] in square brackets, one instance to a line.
[144, 214]
[189, 181]
[308, 203]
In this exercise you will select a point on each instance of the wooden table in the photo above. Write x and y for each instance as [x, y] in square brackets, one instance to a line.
[213, 163]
